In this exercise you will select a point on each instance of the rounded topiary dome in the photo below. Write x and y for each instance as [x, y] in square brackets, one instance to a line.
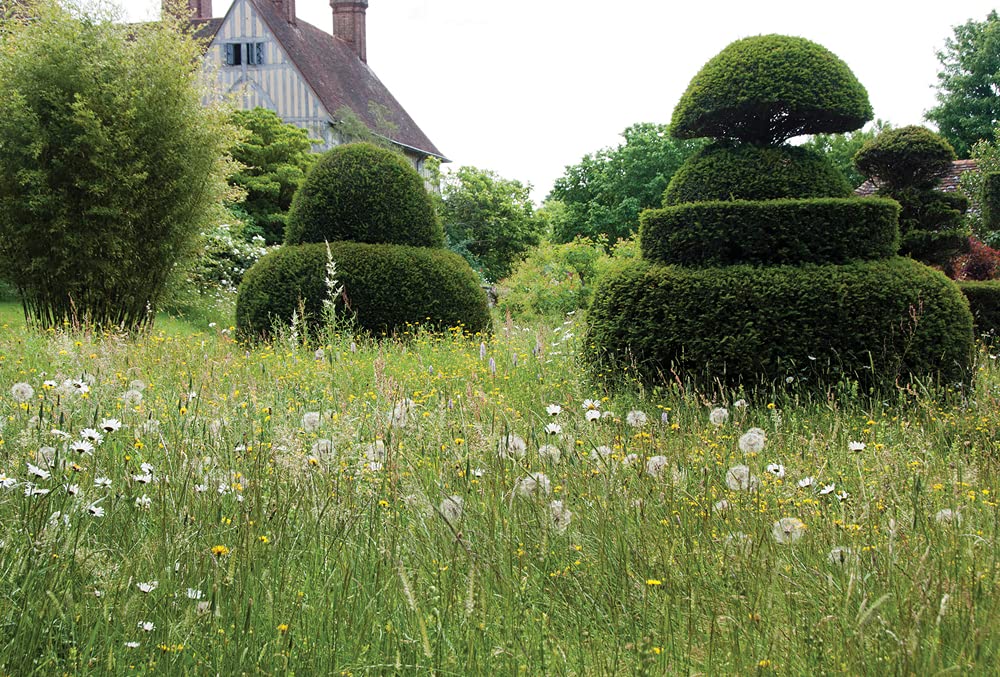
[912, 156]
[363, 193]
[723, 171]
[769, 88]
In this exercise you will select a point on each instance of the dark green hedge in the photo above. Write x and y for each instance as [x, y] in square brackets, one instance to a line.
[876, 321]
[819, 230]
[907, 157]
[769, 88]
[388, 286]
[722, 171]
[363, 193]
[991, 201]
[984, 302]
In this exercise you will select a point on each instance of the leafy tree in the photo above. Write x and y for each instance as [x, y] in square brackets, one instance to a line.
[969, 84]
[274, 158]
[840, 149]
[488, 219]
[109, 163]
[605, 192]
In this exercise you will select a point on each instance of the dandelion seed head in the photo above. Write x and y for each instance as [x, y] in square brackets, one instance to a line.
[788, 530]
[718, 416]
[753, 441]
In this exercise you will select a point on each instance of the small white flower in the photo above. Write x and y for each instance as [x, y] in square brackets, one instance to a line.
[148, 586]
[82, 447]
[553, 410]
[549, 452]
[200, 488]
[636, 418]
[81, 387]
[34, 490]
[22, 392]
[95, 510]
[948, 516]
[856, 446]
[788, 530]
[102, 482]
[38, 472]
[147, 468]
[511, 447]
[740, 404]
[72, 489]
[194, 593]
[110, 425]
[532, 485]
[656, 465]
[553, 429]
[776, 469]
[451, 508]
[806, 482]
[143, 479]
[310, 421]
[146, 626]
[593, 415]
[590, 405]
[61, 434]
[135, 645]
[738, 478]
[561, 516]
[91, 435]
[7, 482]
[827, 489]
[143, 502]
[843, 495]
[718, 416]
[753, 441]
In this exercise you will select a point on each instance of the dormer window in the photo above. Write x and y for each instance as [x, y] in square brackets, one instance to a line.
[238, 53]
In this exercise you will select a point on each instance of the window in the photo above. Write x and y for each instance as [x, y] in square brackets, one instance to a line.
[233, 53]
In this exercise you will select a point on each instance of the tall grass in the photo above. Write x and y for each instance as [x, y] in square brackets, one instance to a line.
[330, 544]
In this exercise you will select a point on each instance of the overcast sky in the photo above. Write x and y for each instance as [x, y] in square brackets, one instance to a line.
[526, 87]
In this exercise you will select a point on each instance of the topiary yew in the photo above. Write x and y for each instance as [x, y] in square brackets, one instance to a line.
[908, 157]
[363, 193]
[769, 88]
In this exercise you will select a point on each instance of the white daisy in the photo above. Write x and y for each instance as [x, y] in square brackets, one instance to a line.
[7, 482]
[82, 447]
[143, 502]
[34, 490]
[38, 472]
[856, 446]
[553, 429]
[95, 510]
[591, 404]
[146, 626]
[827, 489]
[72, 489]
[806, 482]
[110, 425]
[776, 469]
[553, 410]
[148, 586]
[593, 415]
[91, 435]
[194, 593]
[102, 482]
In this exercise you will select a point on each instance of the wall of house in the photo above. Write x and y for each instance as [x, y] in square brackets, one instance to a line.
[276, 84]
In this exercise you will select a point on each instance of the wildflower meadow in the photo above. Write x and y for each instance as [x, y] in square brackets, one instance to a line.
[184, 503]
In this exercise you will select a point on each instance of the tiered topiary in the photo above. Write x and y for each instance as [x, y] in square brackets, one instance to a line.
[760, 266]
[370, 207]
[907, 165]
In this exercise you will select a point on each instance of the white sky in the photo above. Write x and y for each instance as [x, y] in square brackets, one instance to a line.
[527, 87]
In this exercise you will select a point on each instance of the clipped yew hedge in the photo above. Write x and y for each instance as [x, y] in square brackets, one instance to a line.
[388, 287]
[769, 88]
[880, 322]
[984, 302]
[723, 171]
[363, 193]
[822, 230]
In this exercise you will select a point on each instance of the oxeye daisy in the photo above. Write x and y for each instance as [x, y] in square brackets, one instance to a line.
[102, 482]
[95, 510]
[143, 502]
[806, 482]
[148, 586]
[110, 425]
[553, 410]
[593, 415]
[591, 404]
[776, 469]
[146, 626]
[856, 446]
[82, 447]
[38, 472]
[34, 490]
[827, 489]
[72, 489]
[553, 429]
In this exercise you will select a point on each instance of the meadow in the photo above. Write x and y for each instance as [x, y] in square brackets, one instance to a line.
[183, 503]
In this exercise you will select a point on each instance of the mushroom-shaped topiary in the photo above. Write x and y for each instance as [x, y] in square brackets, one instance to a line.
[363, 193]
[908, 157]
[769, 88]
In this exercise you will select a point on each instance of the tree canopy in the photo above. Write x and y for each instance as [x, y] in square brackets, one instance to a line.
[274, 158]
[840, 149]
[969, 84]
[110, 164]
[488, 219]
[605, 192]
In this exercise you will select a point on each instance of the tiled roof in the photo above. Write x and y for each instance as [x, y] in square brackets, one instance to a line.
[205, 29]
[948, 183]
[339, 78]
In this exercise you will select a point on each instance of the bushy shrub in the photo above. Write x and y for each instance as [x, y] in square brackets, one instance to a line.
[385, 288]
[555, 279]
[990, 201]
[820, 230]
[363, 193]
[911, 156]
[980, 263]
[769, 88]
[724, 171]
[984, 302]
[878, 322]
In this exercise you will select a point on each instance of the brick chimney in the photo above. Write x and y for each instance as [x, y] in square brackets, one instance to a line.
[349, 24]
[286, 8]
[197, 9]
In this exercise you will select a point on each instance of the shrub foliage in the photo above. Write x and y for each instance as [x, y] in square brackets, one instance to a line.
[724, 171]
[984, 302]
[363, 193]
[911, 156]
[769, 88]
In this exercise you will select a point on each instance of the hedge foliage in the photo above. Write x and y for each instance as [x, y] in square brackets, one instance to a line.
[984, 302]
[819, 230]
[724, 171]
[363, 193]
[911, 156]
[387, 287]
[879, 322]
[769, 88]
[990, 201]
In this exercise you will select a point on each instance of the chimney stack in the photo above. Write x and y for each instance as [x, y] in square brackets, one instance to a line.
[286, 8]
[349, 24]
[196, 9]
